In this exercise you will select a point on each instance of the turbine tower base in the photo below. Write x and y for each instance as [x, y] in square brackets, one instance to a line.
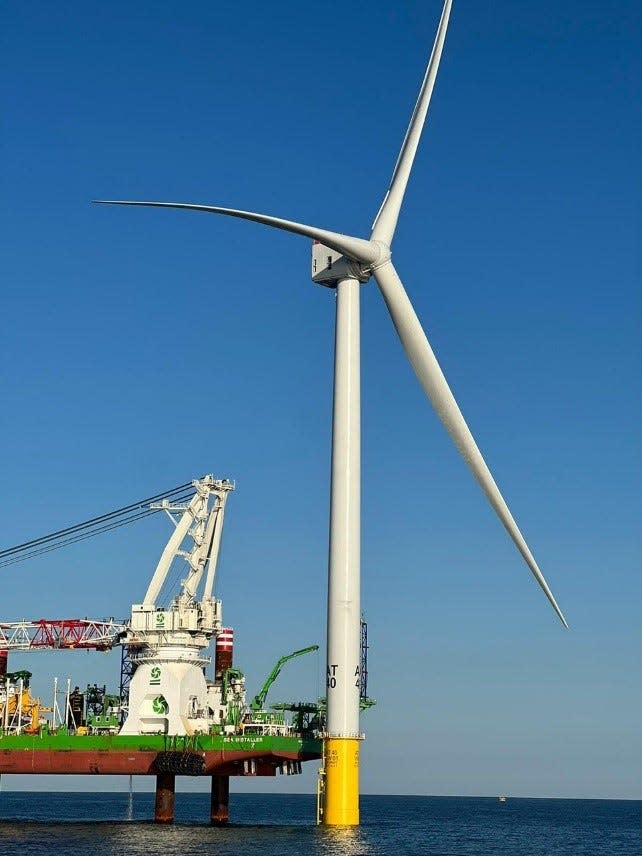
[341, 787]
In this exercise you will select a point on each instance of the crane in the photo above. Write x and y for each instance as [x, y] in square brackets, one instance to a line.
[165, 644]
[259, 699]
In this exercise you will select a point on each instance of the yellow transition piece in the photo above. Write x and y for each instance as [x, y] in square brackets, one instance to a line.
[341, 806]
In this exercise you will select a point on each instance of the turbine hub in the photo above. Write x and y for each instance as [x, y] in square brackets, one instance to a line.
[383, 257]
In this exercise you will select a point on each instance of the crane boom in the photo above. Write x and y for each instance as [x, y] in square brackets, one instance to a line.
[203, 522]
[259, 699]
[64, 634]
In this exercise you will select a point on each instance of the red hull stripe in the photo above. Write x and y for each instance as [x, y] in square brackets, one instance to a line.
[135, 763]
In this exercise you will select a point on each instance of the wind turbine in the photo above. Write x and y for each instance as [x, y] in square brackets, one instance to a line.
[344, 262]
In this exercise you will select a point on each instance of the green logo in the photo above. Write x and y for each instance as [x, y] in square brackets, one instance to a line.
[159, 705]
[160, 618]
[155, 675]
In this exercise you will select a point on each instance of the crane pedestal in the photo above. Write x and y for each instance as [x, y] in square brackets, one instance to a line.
[220, 804]
[165, 790]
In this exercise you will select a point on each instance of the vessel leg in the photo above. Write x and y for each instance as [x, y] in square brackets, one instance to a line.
[220, 806]
[165, 789]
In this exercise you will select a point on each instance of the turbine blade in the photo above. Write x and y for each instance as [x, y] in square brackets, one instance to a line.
[355, 248]
[385, 223]
[434, 383]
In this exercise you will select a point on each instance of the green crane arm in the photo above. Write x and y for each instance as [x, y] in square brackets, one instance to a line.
[259, 699]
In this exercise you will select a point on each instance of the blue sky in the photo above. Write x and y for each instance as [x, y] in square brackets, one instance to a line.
[141, 348]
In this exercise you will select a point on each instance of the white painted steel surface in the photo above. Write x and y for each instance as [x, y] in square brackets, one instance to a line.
[344, 615]
[215, 545]
[171, 548]
[204, 524]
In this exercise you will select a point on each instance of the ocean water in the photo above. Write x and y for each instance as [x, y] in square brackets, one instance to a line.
[71, 824]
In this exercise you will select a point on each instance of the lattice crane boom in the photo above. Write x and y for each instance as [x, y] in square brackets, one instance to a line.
[61, 634]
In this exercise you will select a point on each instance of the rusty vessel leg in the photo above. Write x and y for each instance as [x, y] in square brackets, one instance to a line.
[165, 787]
[220, 805]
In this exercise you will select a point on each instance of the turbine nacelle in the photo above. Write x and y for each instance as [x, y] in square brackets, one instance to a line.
[330, 266]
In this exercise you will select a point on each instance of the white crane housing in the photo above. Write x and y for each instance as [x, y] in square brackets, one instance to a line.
[168, 692]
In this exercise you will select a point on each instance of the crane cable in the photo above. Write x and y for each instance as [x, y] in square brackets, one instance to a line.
[94, 526]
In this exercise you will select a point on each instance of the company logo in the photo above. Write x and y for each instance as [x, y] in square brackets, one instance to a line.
[160, 619]
[159, 705]
[155, 676]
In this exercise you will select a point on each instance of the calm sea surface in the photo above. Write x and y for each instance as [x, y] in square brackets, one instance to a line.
[79, 823]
